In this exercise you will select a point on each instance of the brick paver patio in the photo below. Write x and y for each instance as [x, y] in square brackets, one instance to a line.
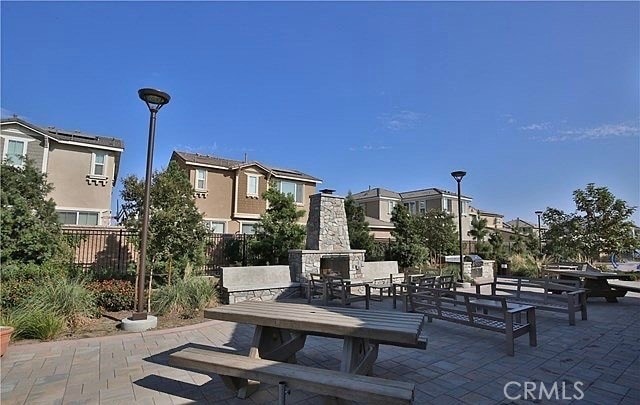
[461, 365]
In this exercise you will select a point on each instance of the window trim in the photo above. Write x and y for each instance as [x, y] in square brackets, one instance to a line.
[217, 221]
[77, 214]
[249, 192]
[297, 186]
[25, 146]
[204, 180]
[104, 165]
[243, 223]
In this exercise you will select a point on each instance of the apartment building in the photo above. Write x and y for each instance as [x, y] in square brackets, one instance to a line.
[229, 192]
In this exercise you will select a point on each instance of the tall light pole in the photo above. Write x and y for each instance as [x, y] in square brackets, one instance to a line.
[458, 175]
[154, 99]
[538, 213]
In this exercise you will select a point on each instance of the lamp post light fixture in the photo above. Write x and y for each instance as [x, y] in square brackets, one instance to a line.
[458, 175]
[538, 213]
[154, 99]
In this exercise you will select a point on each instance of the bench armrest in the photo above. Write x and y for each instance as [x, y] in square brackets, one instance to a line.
[522, 308]
[576, 292]
[358, 284]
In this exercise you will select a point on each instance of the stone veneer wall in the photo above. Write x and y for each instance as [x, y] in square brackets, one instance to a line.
[269, 294]
[327, 224]
[304, 262]
[487, 269]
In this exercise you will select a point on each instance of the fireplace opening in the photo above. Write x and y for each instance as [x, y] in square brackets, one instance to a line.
[335, 266]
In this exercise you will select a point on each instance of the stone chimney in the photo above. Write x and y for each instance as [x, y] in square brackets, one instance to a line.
[327, 224]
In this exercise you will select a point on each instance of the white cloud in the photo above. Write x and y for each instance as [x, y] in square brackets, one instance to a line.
[536, 127]
[600, 132]
[368, 148]
[402, 120]
[509, 118]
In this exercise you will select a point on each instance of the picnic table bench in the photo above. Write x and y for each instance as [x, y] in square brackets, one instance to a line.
[462, 308]
[281, 329]
[545, 294]
[400, 290]
[237, 372]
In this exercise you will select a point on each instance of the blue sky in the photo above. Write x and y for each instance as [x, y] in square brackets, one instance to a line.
[533, 100]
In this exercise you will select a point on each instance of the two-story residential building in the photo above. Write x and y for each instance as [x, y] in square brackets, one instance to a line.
[229, 192]
[82, 167]
[378, 204]
[494, 220]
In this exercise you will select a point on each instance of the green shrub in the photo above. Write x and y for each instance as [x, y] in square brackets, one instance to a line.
[31, 271]
[113, 295]
[14, 292]
[523, 266]
[67, 298]
[34, 323]
[186, 297]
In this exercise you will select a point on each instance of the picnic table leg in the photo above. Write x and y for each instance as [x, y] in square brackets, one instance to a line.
[271, 344]
[358, 355]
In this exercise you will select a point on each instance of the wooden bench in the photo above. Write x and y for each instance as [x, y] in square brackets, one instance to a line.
[341, 289]
[385, 284]
[624, 286]
[236, 371]
[462, 308]
[333, 287]
[422, 280]
[545, 294]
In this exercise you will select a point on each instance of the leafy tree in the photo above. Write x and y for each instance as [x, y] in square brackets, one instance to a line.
[176, 230]
[605, 222]
[562, 235]
[496, 243]
[278, 230]
[30, 229]
[600, 225]
[408, 247]
[479, 232]
[438, 233]
[359, 235]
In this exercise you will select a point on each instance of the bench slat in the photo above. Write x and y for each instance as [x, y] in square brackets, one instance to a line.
[372, 390]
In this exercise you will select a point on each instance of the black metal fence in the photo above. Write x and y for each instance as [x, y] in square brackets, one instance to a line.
[113, 250]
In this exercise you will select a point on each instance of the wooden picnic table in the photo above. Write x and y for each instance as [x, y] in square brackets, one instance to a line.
[596, 283]
[282, 328]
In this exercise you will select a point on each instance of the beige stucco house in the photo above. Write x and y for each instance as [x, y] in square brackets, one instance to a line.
[378, 204]
[83, 168]
[229, 192]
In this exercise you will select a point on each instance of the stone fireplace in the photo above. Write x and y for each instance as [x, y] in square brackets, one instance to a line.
[327, 250]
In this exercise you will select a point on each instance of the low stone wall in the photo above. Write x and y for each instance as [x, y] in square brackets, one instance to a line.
[372, 270]
[487, 270]
[269, 294]
[257, 283]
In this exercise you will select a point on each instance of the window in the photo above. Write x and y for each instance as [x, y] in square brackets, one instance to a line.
[201, 179]
[215, 226]
[78, 218]
[99, 163]
[412, 207]
[464, 207]
[423, 207]
[392, 205]
[252, 185]
[291, 188]
[248, 228]
[15, 151]
[449, 205]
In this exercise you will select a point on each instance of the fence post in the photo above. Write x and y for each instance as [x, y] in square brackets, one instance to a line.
[244, 249]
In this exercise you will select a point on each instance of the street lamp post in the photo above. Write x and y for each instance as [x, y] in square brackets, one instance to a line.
[154, 99]
[458, 175]
[538, 213]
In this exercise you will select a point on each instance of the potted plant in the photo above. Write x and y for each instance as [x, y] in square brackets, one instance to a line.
[5, 337]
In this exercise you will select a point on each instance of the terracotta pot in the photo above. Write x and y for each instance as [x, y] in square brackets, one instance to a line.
[5, 336]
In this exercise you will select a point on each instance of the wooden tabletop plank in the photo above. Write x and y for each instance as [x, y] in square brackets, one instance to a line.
[379, 325]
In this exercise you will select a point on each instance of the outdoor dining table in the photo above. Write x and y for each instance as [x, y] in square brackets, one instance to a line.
[281, 329]
[596, 283]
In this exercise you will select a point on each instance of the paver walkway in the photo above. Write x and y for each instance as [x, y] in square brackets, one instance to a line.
[460, 365]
